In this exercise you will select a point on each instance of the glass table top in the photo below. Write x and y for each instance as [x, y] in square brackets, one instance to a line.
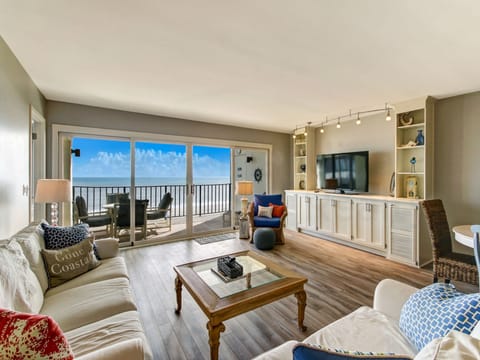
[255, 274]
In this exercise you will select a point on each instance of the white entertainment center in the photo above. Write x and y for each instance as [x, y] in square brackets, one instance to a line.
[391, 226]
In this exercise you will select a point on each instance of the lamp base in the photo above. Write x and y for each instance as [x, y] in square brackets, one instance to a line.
[54, 214]
[244, 231]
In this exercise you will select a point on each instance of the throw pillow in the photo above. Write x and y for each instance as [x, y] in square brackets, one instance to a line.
[265, 211]
[304, 351]
[435, 310]
[20, 289]
[29, 336]
[59, 237]
[454, 346]
[277, 210]
[65, 264]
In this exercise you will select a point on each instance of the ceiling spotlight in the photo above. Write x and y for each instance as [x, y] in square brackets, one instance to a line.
[322, 130]
[338, 124]
[358, 122]
[388, 117]
[294, 136]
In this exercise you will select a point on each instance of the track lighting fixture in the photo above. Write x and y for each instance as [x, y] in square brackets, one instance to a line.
[358, 122]
[338, 123]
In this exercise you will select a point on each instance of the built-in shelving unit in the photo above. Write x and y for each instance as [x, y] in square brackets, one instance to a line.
[414, 160]
[304, 158]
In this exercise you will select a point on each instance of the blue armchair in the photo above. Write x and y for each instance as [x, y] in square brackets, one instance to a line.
[275, 222]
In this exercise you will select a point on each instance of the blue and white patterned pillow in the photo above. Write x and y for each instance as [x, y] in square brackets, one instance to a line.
[303, 351]
[432, 312]
[59, 237]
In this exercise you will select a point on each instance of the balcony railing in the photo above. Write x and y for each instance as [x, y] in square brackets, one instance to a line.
[207, 198]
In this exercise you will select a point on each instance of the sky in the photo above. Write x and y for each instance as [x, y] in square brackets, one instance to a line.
[111, 158]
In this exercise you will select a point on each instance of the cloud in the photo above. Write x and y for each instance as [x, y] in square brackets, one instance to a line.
[149, 163]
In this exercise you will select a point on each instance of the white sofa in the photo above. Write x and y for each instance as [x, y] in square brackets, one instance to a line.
[96, 310]
[376, 330]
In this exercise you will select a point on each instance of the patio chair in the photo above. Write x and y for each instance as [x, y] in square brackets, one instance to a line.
[117, 198]
[92, 220]
[276, 222]
[446, 263]
[163, 212]
[123, 217]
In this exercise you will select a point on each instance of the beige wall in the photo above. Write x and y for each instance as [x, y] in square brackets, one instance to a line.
[80, 115]
[457, 158]
[17, 92]
[375, 135]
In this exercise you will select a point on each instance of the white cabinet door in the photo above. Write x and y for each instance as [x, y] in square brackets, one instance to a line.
[368, 223]
[402, 232]
[307, 212]
[325, 215]
[291, 203]
[342, 217]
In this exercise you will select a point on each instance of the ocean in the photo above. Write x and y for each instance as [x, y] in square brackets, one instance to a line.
[145, 181]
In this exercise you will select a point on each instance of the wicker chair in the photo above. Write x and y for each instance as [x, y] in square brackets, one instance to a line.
[446, 263]
[276, 224]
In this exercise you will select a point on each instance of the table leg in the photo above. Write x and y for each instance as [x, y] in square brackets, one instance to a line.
[214, 331]
[178, 290]
[302, 303]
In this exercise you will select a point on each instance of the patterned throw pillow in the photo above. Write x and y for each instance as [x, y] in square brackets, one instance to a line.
[29, 336]
[303, 351]
[435, 310]
[65, 264]
[59, 237]
[265, 211]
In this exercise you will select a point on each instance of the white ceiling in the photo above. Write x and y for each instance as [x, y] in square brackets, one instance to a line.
[266, 64]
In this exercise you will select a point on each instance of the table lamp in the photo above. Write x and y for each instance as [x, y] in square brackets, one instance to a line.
[53, 191]
[244, 188]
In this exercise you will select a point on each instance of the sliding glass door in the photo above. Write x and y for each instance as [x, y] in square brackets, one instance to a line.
[211, 188]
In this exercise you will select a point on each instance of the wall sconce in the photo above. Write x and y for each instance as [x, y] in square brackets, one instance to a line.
[76, 152]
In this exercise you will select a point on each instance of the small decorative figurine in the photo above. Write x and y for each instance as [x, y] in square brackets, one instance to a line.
[413, 161]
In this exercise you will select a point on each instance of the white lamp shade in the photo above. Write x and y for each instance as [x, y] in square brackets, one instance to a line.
[244, 187]
[53, 191]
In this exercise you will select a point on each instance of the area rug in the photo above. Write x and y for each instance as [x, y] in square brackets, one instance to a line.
[216, 238]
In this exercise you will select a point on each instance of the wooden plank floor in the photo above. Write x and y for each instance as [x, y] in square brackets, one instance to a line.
[340, 280]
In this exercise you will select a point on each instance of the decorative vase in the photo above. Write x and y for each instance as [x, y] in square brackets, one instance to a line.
[303, 167]
[420, 140]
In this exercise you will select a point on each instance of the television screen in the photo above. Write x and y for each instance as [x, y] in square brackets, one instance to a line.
[343, 171]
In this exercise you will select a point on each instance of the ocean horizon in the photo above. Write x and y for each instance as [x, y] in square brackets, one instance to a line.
[145, 181]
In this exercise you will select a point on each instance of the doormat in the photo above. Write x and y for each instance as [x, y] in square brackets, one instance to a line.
[216, 238]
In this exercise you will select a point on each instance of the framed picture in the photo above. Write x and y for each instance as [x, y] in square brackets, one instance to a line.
[411, 186]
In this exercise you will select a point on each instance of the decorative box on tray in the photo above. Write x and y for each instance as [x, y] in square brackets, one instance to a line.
[229, 267]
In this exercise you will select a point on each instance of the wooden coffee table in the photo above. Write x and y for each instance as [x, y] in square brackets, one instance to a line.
[222, 298]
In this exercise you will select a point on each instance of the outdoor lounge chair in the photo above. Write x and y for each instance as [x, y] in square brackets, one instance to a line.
[163, 212]
[123, 217]
[92, 220]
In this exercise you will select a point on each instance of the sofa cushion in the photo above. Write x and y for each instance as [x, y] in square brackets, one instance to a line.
[260, 221]
[32, 242]
[281, 352]
[70, 262]
[108, 269]
[433, 311]
[89, 303]
[59, 237]
[303, 351]
[109, 332]
[19, 287]
[28, 336]
[359, 331]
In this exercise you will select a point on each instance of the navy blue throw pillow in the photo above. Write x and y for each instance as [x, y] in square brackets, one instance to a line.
[59, 237]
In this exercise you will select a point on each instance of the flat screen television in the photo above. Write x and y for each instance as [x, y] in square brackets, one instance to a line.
[347, 172]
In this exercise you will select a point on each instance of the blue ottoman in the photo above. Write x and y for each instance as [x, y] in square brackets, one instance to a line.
[264, 238]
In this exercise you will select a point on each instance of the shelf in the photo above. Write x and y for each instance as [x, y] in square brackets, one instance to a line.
[301, 143]
[411, 173]
[410, 147]
[301, 157]
[300, 174]
[411, 126]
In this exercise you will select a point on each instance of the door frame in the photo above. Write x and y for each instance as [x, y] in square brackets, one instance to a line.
[57, 160]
